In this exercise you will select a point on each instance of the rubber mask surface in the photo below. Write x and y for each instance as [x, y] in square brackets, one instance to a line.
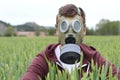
[70, 36]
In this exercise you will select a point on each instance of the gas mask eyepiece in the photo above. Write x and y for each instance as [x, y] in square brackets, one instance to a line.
[64, 26]
[76, 26]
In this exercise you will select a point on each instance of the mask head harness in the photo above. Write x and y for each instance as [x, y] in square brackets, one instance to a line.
[70, 25]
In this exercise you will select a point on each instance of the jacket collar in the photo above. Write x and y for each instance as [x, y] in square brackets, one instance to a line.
[88, 52]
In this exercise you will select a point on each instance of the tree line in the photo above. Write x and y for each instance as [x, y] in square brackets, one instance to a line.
[103, 27]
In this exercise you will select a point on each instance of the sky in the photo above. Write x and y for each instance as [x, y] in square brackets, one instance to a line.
[43, 12]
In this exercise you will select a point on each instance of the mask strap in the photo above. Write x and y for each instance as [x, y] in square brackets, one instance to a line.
[79, 12]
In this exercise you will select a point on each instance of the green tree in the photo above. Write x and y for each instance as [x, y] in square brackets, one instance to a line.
[10, 31]
[51, 31]
[37, 32]
[90, 31]
[106, 27]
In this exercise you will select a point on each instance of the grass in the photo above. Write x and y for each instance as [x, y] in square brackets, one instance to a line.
[16, 53]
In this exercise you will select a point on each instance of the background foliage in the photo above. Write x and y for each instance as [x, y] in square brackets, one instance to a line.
[103, 27]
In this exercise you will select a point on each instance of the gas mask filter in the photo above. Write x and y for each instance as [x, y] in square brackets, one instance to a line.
[70, 37]
[70, 53]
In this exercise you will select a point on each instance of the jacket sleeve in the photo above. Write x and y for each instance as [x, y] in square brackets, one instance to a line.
[37, 70]
[100, 61]
[91, 53]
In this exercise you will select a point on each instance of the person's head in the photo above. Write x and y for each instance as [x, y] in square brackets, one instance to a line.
[70, 27]
[70, 22]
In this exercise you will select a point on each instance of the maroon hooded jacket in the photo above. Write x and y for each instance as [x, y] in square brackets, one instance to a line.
[39, 67]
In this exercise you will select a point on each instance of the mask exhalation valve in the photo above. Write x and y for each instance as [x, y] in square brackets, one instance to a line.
[70, 40]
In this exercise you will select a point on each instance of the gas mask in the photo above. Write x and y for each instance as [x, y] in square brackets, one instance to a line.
[70, 36]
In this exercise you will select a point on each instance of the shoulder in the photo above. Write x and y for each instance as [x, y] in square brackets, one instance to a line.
[49, 50]
[51, 47]
[88, 51]
[85, 47]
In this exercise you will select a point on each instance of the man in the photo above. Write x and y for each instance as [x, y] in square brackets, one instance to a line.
[71, 28]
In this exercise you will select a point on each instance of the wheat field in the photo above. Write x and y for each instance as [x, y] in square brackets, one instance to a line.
[16, 53]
